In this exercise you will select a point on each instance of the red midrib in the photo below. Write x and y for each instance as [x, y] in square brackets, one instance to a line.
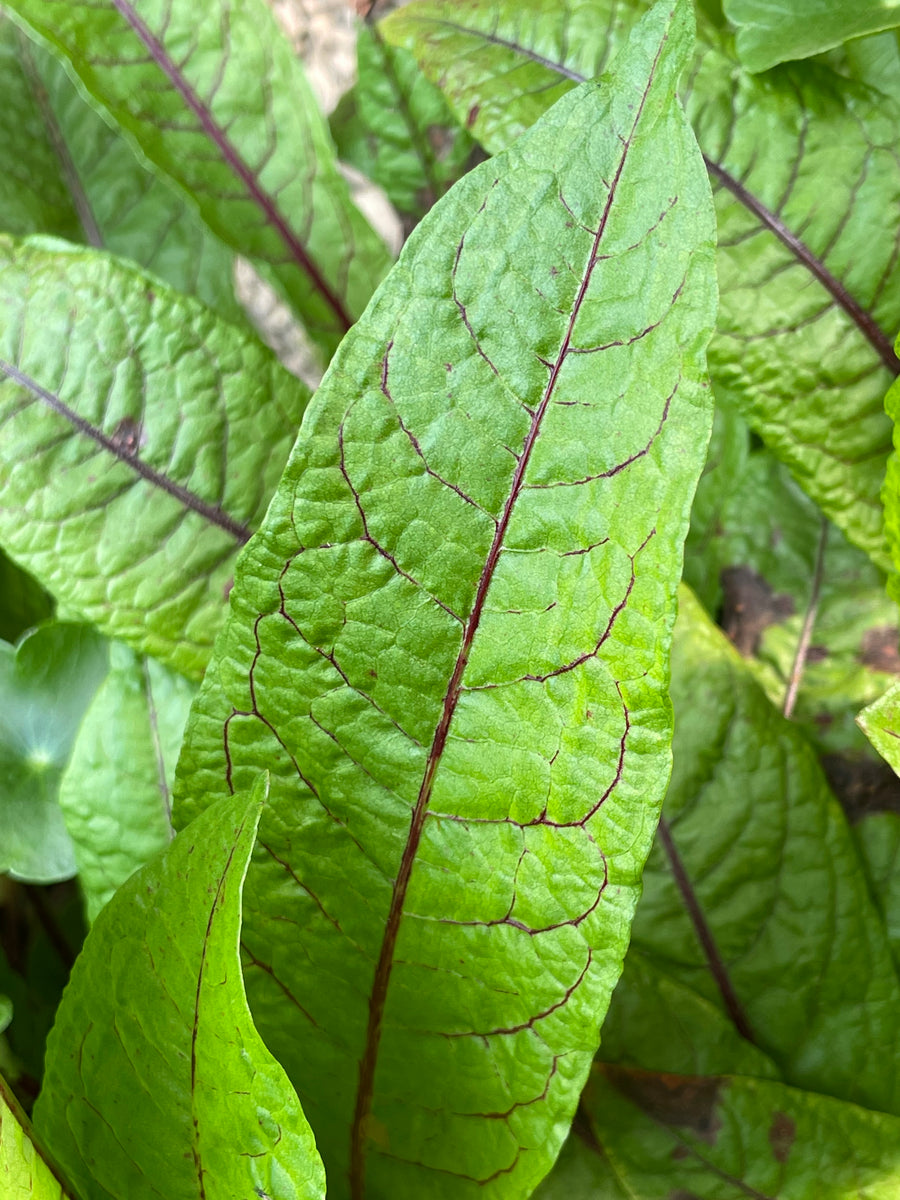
[865, 322]
[451, 698]
[229, 153]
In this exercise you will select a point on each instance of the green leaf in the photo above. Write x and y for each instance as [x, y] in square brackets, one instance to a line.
[449, 644]
[25, 1173]
[809, 299]
[215, 98]
[756, 553]
[120, 205]
[45, 686]
[881, 724]
[33, 194]
[157, 1083]
[754, 895]
[141, 439]
[395, 127]
[874, 61]
[6, 1012]
[769, 32]
[116, 792]
[23, 602]
[670, 1137]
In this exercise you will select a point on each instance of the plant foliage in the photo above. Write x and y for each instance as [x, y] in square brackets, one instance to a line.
[423, 851]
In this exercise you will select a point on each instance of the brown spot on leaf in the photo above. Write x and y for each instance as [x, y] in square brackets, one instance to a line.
[782, 1132]
[473, 115]
[816, 654]
[881, 649]
[862, 785]
[126, 436]
[749, 606]
[681, 1101]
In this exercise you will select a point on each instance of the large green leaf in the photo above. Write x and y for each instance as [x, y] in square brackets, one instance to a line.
[394, 126]
[115, 793]
[46, 683]
[157, 1083]
[754, 895]
[215, 98]
[141, 438]
[449, 644]
[57, 140]
[770, 32]
[25, 1174]
[671, 1137]
[803, 167]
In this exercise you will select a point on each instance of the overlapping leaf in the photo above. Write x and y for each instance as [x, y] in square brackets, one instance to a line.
[157, 1083]
[760, 553]
[449, 645]
[24, 1172]
[769, 32]
[216, 100]
[141, 438]
[754, 895]
[116, 792]
[65, 171]
[46, 683]
[33, 193]
[394, 126]
[810, 300]
[671, 1137]
[23, 602]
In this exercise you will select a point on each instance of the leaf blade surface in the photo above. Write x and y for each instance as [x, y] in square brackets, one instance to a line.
[115, 794]
[768, 34]
[154, 437]
[157, 1082]
[454, 483]
[215, 98]
[808, 306]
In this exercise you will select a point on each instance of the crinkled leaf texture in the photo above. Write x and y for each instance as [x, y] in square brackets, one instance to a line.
[809, 299]
[449, 644]
[65, 171]
[687, 1137]
[395, 126]
[755, 896]
[141, 438]
[46, 684]
[157, 1083]
[757, 544]
[770, 32]
[116, 791]
[215, 98]
[24, 1172]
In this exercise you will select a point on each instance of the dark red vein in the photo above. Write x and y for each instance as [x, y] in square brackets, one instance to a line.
[881, 343]
[229, 153]
[717, 966]
[451, 699]
[864, 320]
[190, 500]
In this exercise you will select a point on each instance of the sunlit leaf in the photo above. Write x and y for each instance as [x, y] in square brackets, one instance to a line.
[157, 1083]
[449, 645]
